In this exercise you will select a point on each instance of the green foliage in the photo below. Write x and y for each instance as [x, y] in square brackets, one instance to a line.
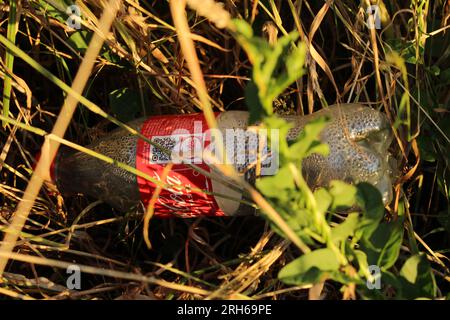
[274, 68]
[369, 199]
[340, 251]
[383, 246]
[54, 8]
[79, 40]
[313, 267]
[345, 228]
[416, 279]
[9, 57]
[427, 59]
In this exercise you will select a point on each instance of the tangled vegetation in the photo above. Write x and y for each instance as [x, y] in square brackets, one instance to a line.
[270, 57]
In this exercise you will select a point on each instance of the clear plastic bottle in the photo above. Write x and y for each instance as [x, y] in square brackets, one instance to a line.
[358, 138]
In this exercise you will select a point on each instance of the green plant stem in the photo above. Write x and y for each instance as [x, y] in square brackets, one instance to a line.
[13, 23]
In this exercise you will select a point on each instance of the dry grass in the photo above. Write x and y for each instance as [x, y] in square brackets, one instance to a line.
[170, 72]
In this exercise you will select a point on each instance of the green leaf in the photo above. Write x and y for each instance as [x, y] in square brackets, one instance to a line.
[277, 186]
[243, 29]
[274, 59]
[312, 267]
[277, 73]
[283, 127]
[274, 68]
[55, 9]
[295, 61]
[383, 247]
[369, 199]
[79, 40]
[407, 50]
[344, 194]
[308, 142]
[345, 229]
[389, 281]
[112, 57]
[256, 109]
[124, 103]
[363, 265]
[255, 47]
[417, 280]
[323, 200]
[434, 70]
[294, 70]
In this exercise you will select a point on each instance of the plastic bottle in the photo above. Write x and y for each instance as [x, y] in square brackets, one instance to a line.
[358, 137]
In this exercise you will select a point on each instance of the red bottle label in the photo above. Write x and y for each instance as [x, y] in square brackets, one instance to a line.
[184, 135]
